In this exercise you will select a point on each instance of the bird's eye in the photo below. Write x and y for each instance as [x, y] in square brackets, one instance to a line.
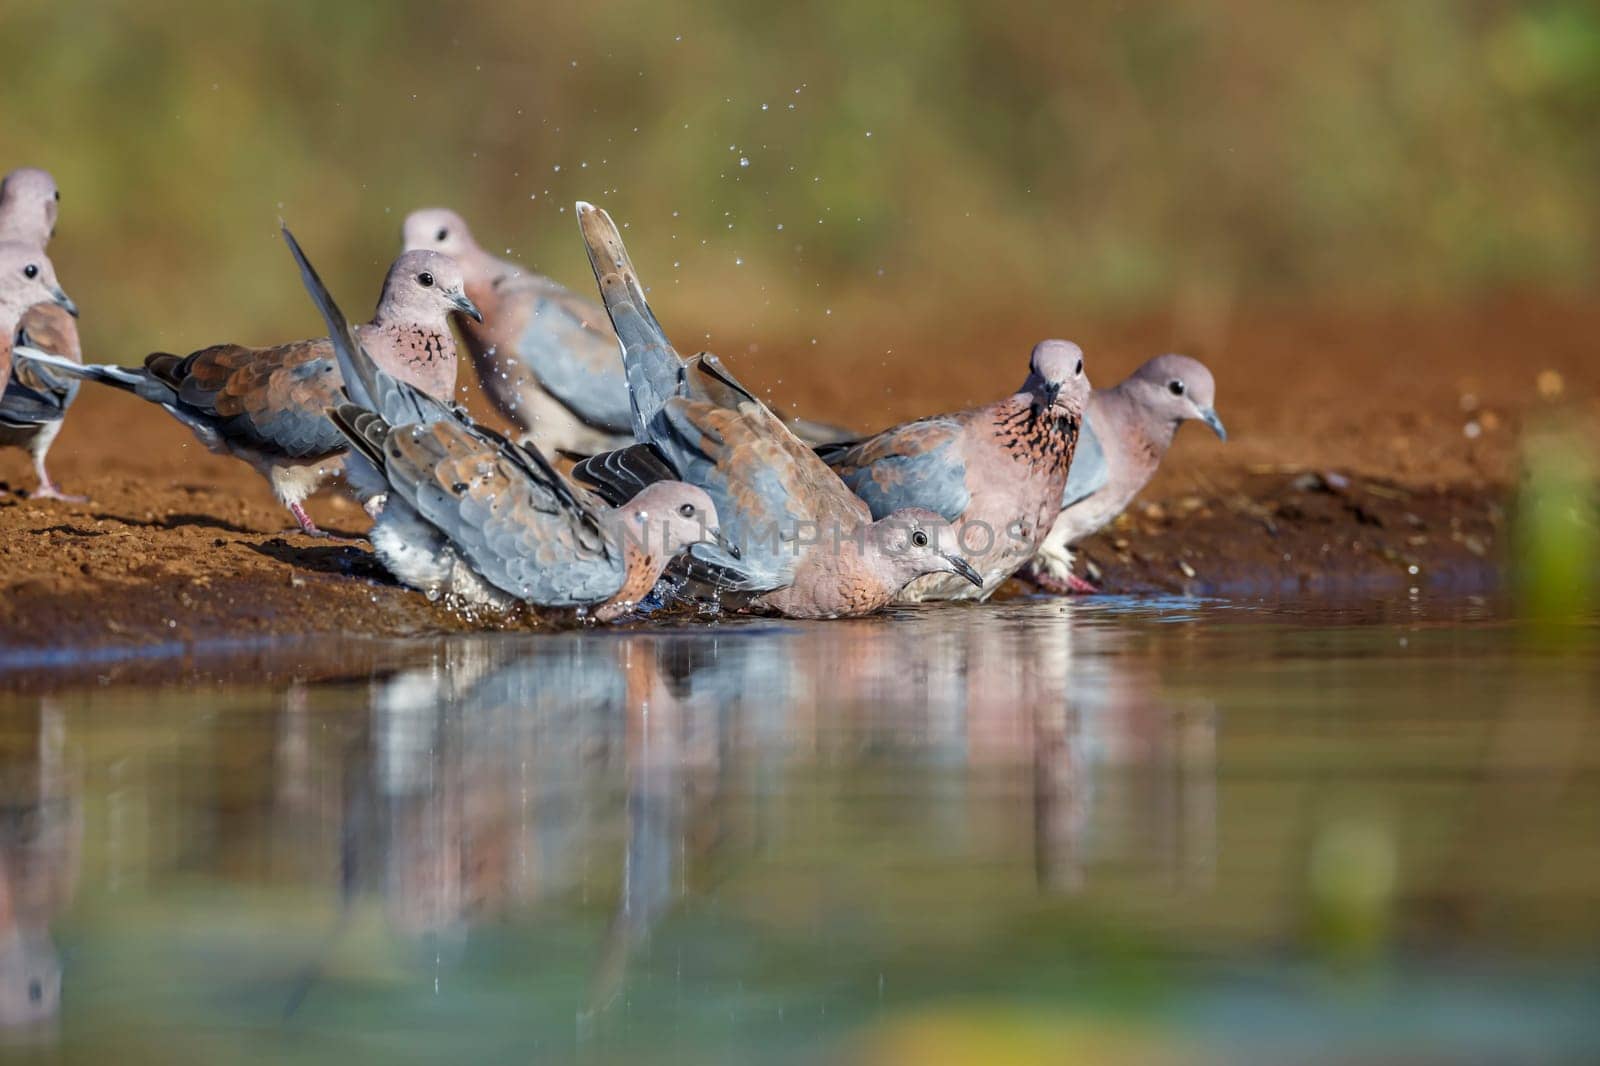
[919, 538]
[1175, 387]
[58, 196]
[687, 510]
[30, 271]
[425, 279]
[441, 235]
[1079, 370]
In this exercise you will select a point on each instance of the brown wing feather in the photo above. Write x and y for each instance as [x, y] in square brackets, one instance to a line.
[48, 328]
[51, 329]
[757, 454]
[271, 397]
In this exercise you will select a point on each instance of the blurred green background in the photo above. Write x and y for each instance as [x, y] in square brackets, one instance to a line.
[789, 168]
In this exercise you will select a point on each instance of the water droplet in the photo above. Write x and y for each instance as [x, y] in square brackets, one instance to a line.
[744, 161]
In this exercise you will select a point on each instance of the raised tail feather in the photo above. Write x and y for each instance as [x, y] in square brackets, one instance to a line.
[104, 373]
[651, 363]
[619, 476]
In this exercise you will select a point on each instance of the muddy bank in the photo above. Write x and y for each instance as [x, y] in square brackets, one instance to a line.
[1369, 455]
[205, 565]
[1308, 533]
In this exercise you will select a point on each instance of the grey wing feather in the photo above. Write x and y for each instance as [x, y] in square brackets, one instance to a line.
[1089, 472]
[753, 507]
[917, 465]
[22, 405]
[540, 544]
[568, 344]
[512, 556]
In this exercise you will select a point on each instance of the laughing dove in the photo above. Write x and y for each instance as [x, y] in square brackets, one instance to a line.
[267, 406]
[29, 201]
[802, 543]
[484, 520]
[1126, 433]
[546, 357]
[35, 400]
[995, 472]
[27, 278]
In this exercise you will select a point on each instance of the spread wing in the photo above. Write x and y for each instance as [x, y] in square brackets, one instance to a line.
[35, 394]
[1088, 473]
[508, 513]
[918, 464]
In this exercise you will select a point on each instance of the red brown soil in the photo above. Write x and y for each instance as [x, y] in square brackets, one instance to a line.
[1350, 463]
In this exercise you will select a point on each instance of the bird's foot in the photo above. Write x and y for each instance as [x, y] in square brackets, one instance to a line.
[1071, 585]
[307, 526]
[48, 490]
[1081, 585]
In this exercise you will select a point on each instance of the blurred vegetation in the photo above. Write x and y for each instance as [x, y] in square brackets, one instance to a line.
[1558, 530]
[776, 163]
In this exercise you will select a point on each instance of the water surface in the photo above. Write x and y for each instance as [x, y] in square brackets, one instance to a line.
[1098, 831]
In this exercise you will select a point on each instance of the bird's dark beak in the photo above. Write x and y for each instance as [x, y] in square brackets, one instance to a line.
[963, 568]
[1044, 394]
[1208, 415]
[466, 306]
[65, 301]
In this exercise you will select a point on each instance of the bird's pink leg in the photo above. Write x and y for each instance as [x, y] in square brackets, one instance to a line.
[1072, 585]
[48, 489]
[1081, 585]
[307, 526]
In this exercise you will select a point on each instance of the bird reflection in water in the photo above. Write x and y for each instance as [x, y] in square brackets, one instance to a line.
[640, 767]
[41, 838]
